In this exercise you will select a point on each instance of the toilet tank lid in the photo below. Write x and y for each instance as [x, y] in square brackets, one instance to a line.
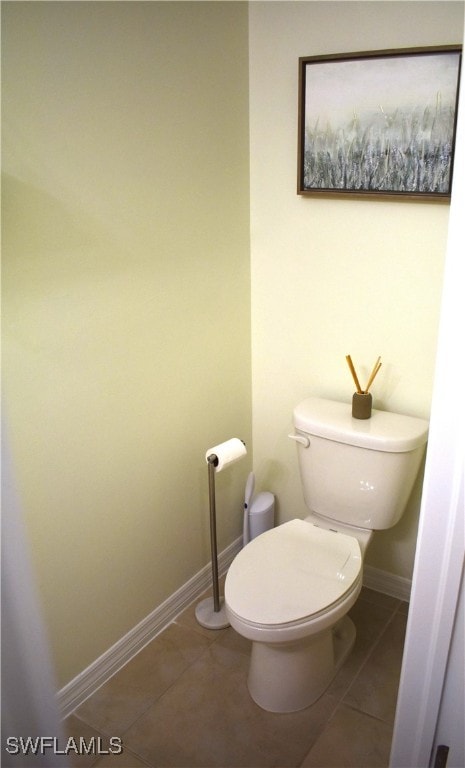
[384, 431]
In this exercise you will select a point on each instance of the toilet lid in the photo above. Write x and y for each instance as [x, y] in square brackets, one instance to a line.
[291, 572]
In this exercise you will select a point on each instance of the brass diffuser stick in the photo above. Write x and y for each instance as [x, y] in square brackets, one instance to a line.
[375, 370]
[373, 373]
[354, 375]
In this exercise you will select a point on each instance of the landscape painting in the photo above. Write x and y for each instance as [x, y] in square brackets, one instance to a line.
[379, 123]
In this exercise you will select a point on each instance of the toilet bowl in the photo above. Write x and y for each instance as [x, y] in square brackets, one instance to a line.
[290, 589]
[289, 592]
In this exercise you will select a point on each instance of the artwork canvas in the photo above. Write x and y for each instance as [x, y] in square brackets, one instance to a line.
[380, 123]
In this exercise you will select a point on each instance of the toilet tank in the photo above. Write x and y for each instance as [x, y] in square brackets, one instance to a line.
[357, 472]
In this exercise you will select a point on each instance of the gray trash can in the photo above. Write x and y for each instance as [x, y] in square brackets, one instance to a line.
[258, 511]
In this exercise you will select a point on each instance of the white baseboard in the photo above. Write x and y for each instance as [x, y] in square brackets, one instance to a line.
[388, 583]
[96, 674]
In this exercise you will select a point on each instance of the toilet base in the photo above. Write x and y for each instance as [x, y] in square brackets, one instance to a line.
[287, 677]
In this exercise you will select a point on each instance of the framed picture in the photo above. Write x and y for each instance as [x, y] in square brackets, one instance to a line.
[379, 123]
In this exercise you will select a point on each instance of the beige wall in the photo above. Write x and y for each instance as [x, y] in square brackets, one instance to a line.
[127, 286]
[126, 298]
[335, 277]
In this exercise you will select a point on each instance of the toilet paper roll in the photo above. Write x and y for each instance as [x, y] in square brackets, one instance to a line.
[227, 453]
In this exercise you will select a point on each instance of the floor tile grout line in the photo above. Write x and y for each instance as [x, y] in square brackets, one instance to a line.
[186, 627]
[394, 613]
[341, 703]
[171, 685]
[368, 714]
[369, 654]
[139, 716]
[339, 700]
[183, 627]
[104, 735]
[144, 712]
[398, 610]
[165, 692]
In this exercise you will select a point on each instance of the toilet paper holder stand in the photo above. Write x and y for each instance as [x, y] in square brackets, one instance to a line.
[211, 612]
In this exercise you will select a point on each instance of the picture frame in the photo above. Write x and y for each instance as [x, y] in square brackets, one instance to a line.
[379, 124]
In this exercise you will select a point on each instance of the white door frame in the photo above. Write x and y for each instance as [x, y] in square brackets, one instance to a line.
[439, 557]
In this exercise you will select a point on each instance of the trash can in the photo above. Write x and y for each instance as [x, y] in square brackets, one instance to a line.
[258, 512]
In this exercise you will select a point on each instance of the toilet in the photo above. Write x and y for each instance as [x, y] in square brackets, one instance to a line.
[290, 589]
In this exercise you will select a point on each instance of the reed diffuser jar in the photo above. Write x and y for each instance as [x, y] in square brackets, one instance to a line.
[362, 403]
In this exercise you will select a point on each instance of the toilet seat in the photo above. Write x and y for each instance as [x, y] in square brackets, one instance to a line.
[292, 573]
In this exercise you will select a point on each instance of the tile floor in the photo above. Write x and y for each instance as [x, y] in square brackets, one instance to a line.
[183, 701]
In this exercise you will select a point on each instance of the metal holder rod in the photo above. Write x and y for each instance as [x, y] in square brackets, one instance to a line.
[211, 614]
[212, 463]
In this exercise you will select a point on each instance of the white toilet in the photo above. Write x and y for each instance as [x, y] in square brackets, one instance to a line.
[289, 590]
